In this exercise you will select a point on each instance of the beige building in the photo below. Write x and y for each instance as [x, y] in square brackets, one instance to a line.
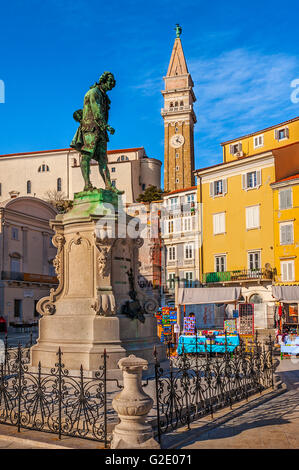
[36, 173]
[26, 257]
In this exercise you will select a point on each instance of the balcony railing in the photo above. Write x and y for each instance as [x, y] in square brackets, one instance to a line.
[238, 275]
[28, 277]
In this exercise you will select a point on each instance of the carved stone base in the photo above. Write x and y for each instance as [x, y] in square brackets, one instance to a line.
[83, 339]
[83, 316]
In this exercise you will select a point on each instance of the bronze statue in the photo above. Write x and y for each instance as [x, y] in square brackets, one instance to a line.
[91, 137]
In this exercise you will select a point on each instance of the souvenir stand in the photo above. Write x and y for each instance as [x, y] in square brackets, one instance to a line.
[166, 319]
[202, 331]
[287, 298]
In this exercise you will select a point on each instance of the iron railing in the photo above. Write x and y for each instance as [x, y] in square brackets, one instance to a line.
[52, 400]
[237, 275]
[197, 385]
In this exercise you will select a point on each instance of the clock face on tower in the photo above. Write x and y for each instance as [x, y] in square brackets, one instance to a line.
[177, 140]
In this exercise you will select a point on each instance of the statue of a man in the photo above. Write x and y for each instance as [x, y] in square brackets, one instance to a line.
[91, 137]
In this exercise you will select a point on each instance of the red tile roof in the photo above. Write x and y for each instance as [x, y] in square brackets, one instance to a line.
[68, 150]
[180, 190]
[292, 177]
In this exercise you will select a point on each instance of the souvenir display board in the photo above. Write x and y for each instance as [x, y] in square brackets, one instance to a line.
[189, 326]
[230, 326]
[246, 322]
[166, 319]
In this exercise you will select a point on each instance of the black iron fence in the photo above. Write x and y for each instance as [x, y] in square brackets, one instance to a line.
[53, 400]
[186, 388]
[199, 384]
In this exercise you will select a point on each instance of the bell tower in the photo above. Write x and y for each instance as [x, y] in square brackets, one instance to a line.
[179, 119]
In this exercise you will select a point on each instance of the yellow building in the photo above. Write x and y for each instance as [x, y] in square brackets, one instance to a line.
[286, 229]
[237, 215]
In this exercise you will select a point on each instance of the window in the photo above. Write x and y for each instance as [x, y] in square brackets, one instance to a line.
[17, 308]
[286, 233]
[189, 251]
[28, 187]
[15, 264]
[177, 180]
[171, 280]
[113, 182]
[281, 134]
[252, 217]
[43, 168]
[285, 198]
[174, 201]
[122, 158]
[176, 155]
[258, 141]
[177, 168]
[171, 251]
[35, 312]
[251, 179]
[15, 233]
[190, 198]
[59, 184]
[219, 223]
[52, 271]
[187, 224]
[143, 186]
[170, 226]
[218, 188]
[287, 271]
[188, 279]
[220, 263]
[235, 149]
[254, 260]
[113, 169]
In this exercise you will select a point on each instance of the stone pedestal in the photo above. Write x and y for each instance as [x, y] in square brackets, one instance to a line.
[83, 316]
[132, 406]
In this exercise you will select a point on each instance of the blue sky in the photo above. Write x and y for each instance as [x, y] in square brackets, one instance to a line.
[242, 57]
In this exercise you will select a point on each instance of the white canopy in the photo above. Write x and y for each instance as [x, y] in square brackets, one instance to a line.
[287, 294]
[208, 295]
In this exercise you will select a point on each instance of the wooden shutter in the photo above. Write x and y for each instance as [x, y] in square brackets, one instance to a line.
[258, 177]
[276, 134]
[244, 181]
[287, 134]
[239, 147]
[231, 149]
[212, 189]
[282, 199]
[224, 185]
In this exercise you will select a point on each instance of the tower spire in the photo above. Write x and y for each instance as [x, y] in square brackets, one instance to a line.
[179, 119]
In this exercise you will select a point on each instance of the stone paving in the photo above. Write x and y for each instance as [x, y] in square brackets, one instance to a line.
[272, 425]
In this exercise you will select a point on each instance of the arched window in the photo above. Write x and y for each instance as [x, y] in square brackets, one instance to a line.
[43, 168]
[122, 158]
[28, 187]
[59, 184]
[256, 299]
[176, 104]
[171, 105]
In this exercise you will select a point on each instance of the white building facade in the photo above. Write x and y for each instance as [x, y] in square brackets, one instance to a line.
[180, 240]
[36, 173]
